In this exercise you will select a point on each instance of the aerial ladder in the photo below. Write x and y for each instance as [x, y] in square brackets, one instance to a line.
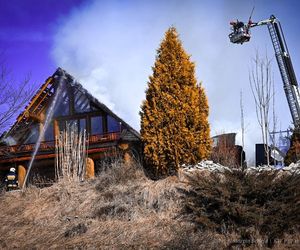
[241, 34]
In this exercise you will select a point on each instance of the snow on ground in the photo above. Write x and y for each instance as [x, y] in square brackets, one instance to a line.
[216, 167]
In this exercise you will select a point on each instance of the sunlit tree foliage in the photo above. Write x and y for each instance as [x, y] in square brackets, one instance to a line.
[174, 116]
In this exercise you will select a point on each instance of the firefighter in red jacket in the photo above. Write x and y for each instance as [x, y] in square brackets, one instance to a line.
[11, 180]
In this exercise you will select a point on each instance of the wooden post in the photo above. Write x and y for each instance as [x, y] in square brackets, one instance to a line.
[127, 158]
[41, 127]
[125, 148]
[104, 123]
[42, 124]
[90, 169]
[21, 175]
[56, 128]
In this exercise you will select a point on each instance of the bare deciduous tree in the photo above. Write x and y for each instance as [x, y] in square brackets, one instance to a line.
[13, 96]
[242, 128]
[274, 119]
[261, 86]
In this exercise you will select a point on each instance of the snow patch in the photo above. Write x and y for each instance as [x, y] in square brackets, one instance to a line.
[218, 168]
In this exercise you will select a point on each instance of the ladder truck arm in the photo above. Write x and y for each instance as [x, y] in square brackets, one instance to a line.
[285, 65]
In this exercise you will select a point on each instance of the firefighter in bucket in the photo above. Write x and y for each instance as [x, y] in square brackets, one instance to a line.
[11, 180]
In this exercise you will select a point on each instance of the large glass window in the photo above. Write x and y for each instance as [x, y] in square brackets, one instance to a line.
[62, 106]
[61, 125]
[72, 123]
[96, 125]
[81, 103]
[82, 125]
[33, 135]
[49, 134]
[112, 124]
[78, 124]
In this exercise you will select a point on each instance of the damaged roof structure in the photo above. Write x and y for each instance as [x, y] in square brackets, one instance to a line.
[108, 134]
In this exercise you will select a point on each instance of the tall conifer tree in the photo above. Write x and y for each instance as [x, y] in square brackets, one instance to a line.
[174, 116]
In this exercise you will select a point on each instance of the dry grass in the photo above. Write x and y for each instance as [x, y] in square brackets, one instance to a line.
[120, 209]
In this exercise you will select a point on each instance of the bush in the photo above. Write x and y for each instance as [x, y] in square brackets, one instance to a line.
[242, 203]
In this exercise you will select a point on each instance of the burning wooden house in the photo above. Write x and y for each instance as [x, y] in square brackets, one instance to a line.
[108, 135]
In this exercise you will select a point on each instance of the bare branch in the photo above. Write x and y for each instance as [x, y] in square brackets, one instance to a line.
[243, 128]
[13, 96]
[261, 86]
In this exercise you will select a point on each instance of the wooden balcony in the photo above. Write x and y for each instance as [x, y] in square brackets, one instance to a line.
[11, 153]
[104, 137]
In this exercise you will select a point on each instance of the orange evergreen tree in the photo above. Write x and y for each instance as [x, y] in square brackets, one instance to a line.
[174, 116]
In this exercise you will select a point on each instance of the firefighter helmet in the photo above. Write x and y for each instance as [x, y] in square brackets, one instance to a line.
[12, 170]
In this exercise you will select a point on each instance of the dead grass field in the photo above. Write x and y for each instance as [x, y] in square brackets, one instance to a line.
[120, 209]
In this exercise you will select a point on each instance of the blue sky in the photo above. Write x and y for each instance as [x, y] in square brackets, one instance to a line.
[110, 47]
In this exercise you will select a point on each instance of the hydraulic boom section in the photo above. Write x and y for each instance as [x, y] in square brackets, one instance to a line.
[283, 58]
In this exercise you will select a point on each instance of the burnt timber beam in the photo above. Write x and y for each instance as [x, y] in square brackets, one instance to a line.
[71, 100]
[38, 118]
[43, 88]
[79, 115]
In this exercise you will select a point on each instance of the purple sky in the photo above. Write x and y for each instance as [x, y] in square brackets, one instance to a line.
[26, 35]
[110, 47]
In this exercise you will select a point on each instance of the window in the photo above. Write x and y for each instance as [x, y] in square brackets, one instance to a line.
[61, 125]
[82, 125]
[49, 134]
[112, 124]
[81, 103]
[34, 134]
[62, 107]
[72, 123]
[78, 124]
[96, 125]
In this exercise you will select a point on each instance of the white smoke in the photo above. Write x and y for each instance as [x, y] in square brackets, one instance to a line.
[110, 48]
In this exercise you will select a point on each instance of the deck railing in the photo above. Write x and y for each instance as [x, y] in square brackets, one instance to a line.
[50, 145]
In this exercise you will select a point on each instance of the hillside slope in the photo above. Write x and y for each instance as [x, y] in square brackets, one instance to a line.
[120, 209]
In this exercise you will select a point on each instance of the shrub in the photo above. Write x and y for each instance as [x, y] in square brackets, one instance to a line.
[242, 203]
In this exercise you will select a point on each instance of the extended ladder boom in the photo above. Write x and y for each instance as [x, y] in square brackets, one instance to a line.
[284, 61]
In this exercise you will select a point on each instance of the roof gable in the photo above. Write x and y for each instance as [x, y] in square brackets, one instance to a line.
[41, 100]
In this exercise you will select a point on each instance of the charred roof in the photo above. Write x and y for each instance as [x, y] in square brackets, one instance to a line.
[44, 95]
